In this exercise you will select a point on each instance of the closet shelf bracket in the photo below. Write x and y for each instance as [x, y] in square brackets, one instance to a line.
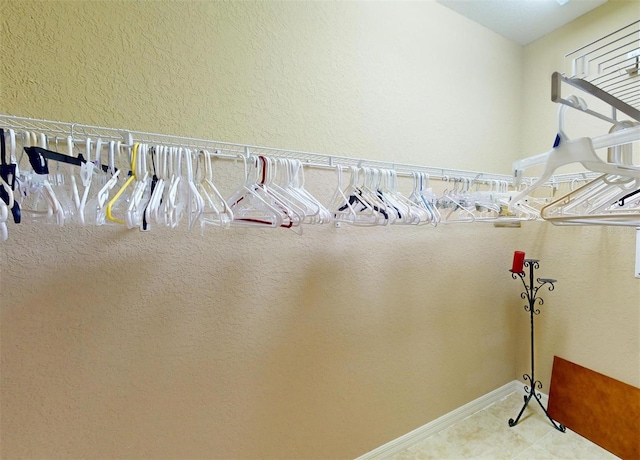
[557, 79]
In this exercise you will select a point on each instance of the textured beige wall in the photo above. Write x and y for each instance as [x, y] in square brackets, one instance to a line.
[593, 316]
[255, 343]
[410, 81]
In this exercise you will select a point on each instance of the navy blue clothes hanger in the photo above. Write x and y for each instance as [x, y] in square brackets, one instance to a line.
[8, 173]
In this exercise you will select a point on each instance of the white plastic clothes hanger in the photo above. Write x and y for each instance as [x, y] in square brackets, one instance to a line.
[249, 207]
[12, 173]
[496, 202]
[4, 210]
[103, 194]
[159, 163]
[173, 206]
[282, 180]
[289, 205]
[297, 183]
[369, 209]
[614, 138]
[70, 197]
[352, 205]
[433, 201]
[67, 199]
[540, 200]
[60, 212]
[292, 213]
[411, 213]
[195, 202]
[390, 211]
[74, 185]
[308, 206]
[343, 210]
[150, 186]
[316, 212]
[166, 166]
[607, 200]
[170, 152]
[27, 189]
[12, 150]
[396, 212]
[423, 214]
[581, 150]
[10, 194]
[161, 194]
[493, 205]
[523, 209]
[422, 195]
[220, 212]
[86, 176]
[114, 146]
[135, 210]
[39, 200]
[371, 192]
[483, 205]
[215, 210]
[460, 210]
[621, 154]
[577, 151]
[125, 186]
[4, 214]
[22, 177]
[10, 170]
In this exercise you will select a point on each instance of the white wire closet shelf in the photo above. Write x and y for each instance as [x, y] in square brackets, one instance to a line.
[607, 68]
[59, 131]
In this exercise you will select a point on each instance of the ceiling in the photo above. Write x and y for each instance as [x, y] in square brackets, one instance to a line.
[522, 21]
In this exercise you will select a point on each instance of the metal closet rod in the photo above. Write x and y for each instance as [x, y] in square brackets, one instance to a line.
[61, 130]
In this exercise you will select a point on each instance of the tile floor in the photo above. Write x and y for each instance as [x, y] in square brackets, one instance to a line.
[487, 434]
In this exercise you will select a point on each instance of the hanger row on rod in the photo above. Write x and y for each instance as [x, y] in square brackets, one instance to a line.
[59, 173]
[59, 131]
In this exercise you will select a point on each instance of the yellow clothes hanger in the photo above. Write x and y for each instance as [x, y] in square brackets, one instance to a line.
[131, 178]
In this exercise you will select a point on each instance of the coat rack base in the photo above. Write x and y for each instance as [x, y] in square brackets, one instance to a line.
[531, 394]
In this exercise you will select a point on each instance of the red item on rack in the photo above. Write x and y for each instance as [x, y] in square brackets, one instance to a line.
[518, 262]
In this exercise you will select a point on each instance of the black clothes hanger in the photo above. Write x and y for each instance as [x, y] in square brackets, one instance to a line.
[353, 199]
[381, 196]
[154, 181]
[38, 158]
[629, 195]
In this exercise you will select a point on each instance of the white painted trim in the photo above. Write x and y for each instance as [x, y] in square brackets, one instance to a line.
[403, 442]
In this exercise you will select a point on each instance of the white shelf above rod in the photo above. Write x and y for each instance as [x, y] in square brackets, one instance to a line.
[61, 130]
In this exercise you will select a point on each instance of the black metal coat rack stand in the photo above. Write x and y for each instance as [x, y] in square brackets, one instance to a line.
[531, 296]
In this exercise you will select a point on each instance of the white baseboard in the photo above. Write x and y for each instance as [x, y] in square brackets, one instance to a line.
[403, 442]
